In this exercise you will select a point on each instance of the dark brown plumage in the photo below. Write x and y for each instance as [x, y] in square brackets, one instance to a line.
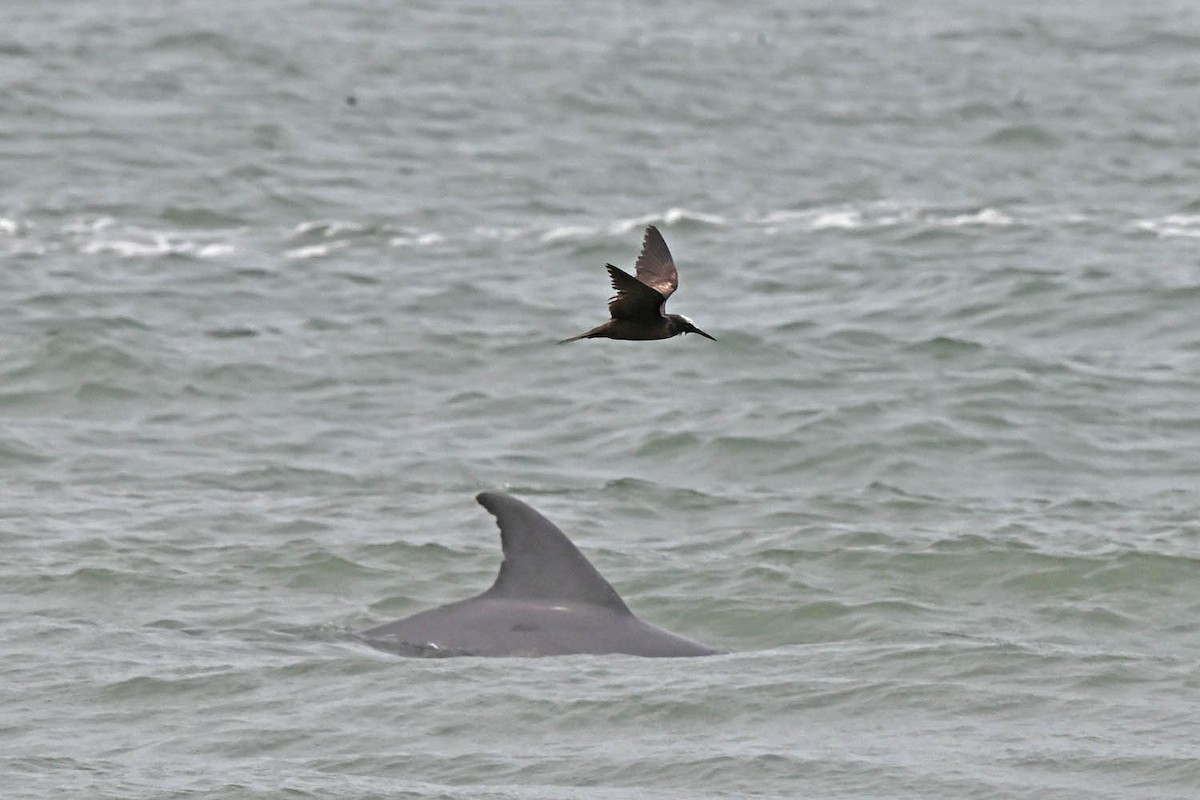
[637, 309]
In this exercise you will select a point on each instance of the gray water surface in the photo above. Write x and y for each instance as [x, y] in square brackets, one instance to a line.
[280, 287]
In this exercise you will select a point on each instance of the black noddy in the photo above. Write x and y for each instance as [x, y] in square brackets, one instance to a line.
[638, 307]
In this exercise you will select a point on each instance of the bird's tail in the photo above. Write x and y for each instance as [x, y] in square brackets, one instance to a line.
[574, 338]
[599, 330]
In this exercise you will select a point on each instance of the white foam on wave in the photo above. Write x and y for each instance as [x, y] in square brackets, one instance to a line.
[676, 215]
[984, 216]
[314, 239]
[14, 227]
[874, 216]
[104, 236]
[844, 219]
[1172, 225]
[502, 234]
[155, 244]
[624, 226]
[841, 217]
[312, 251]
[671, 216]
[567, 232]
[127, 247]
[86, 226]
[417, 240]
[616, 228]
[328, 228]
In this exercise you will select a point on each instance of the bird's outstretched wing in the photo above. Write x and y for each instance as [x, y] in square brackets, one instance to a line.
[634, 300]
[655, 267]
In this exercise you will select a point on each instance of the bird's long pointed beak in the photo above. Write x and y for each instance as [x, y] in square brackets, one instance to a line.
[702, 333]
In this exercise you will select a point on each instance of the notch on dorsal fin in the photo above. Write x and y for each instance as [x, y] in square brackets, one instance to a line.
[540, 562]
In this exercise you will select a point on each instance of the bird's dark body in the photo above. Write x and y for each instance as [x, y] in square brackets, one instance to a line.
[664, 328]
[638, 308]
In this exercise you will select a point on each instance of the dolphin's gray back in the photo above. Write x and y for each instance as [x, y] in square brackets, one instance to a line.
[483, 626]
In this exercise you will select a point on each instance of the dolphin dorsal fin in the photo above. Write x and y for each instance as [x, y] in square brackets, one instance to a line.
[540, 562]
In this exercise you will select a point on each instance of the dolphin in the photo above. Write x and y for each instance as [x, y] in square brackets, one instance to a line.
[548, 600]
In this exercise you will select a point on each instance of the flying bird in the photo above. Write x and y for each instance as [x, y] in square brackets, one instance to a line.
[638, 307]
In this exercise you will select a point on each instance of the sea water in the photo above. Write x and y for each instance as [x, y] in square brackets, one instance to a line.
[281, 284]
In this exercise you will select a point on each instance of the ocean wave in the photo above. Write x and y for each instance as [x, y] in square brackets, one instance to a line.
[105, 235]
[312, 251]
[13, 227]
[1171, 225]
